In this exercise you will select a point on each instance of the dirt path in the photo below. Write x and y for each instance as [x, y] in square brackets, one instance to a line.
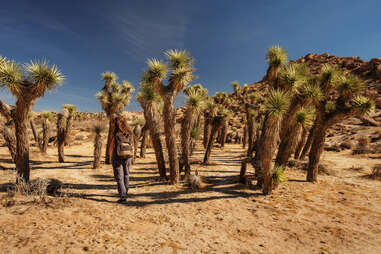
[340, 214]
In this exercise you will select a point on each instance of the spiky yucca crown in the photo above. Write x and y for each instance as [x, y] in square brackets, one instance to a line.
[120, 93]
[179, 66]
[293, 76]
[37, 76]
[47, 115]
[196, 99]
[98, 128]
[305, 116]
[147, 94]
[276, 56]
[277, 102]
[71, 109]
[109, 76]
[236, 86]
[278, 175]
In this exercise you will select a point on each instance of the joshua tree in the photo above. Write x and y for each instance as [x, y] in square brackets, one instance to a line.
[61, 132]
[276, 104]
[47, 118]
[302, 119]
[149, 100]
[97, 129]
[194, 104]
[10, 140]
[33, 127]
[251, 108]
[276, 58]
[114, 97]
[64, 125]
[217, 121]
[181, 73]
[144, 141]
[236, 87]
[27, 83]
[224, 100]
[71, 112]
[209, 111]
[304, 90]
[334, 108]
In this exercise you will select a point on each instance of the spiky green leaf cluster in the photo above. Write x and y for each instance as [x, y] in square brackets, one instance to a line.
[276, 56]
[278, 175]
[196, 88]
[236, 86]
[330, 106]
[252, 112]
[293, 75]
[109, 76]
[329, 76]
[195, 133]
[71, 109]
[349, 86]
[157, 70]
[305, 116]
[47, 115]
[147, 94]
[43, 74]
[311, 91]
[364, 106]
[196, 99]
[98, 128]
[38, 77]
[277, 102]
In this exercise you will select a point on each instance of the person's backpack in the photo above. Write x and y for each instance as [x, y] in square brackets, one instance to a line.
[124, 146]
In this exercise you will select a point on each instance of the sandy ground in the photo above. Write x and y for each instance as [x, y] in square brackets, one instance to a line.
[340, 214]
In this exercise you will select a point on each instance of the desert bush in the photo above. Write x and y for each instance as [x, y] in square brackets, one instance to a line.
[362, 146]
[376, 172]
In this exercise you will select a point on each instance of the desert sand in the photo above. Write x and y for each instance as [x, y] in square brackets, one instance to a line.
[339, 214]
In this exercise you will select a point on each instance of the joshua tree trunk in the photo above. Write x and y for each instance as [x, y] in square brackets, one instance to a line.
[185, 139]
[301, 143]
[216, 125]
[61, 137]
[97, 150]
[144, 140]
[318, 139]
[224, 130]
[250, 134]
[308, 144]
[244, 140]
[169, 114]
[207, 129]
[153, 123]
[22, 140]
[288, 144]
[269, 137]
[10, 140]
[45, 135]
[69, 126]
[34, 131]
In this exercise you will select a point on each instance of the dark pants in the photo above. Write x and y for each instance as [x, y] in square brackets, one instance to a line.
[122, 174]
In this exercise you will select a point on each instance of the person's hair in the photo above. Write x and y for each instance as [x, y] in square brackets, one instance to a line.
[122, 125]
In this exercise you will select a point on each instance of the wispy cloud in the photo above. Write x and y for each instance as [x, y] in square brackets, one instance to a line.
[148, 33]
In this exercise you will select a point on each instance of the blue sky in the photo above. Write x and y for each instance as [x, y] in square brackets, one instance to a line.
[227, 38]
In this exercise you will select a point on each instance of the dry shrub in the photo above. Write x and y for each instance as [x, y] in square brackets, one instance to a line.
[362, 146]
[36, 191]
[195, 182]
[376, 172]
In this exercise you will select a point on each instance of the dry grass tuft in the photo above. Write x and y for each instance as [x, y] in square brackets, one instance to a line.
[376, 172]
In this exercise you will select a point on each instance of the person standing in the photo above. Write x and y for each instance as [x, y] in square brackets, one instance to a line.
[122, 153]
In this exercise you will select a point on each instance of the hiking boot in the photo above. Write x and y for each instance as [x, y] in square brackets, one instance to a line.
[122, 201]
